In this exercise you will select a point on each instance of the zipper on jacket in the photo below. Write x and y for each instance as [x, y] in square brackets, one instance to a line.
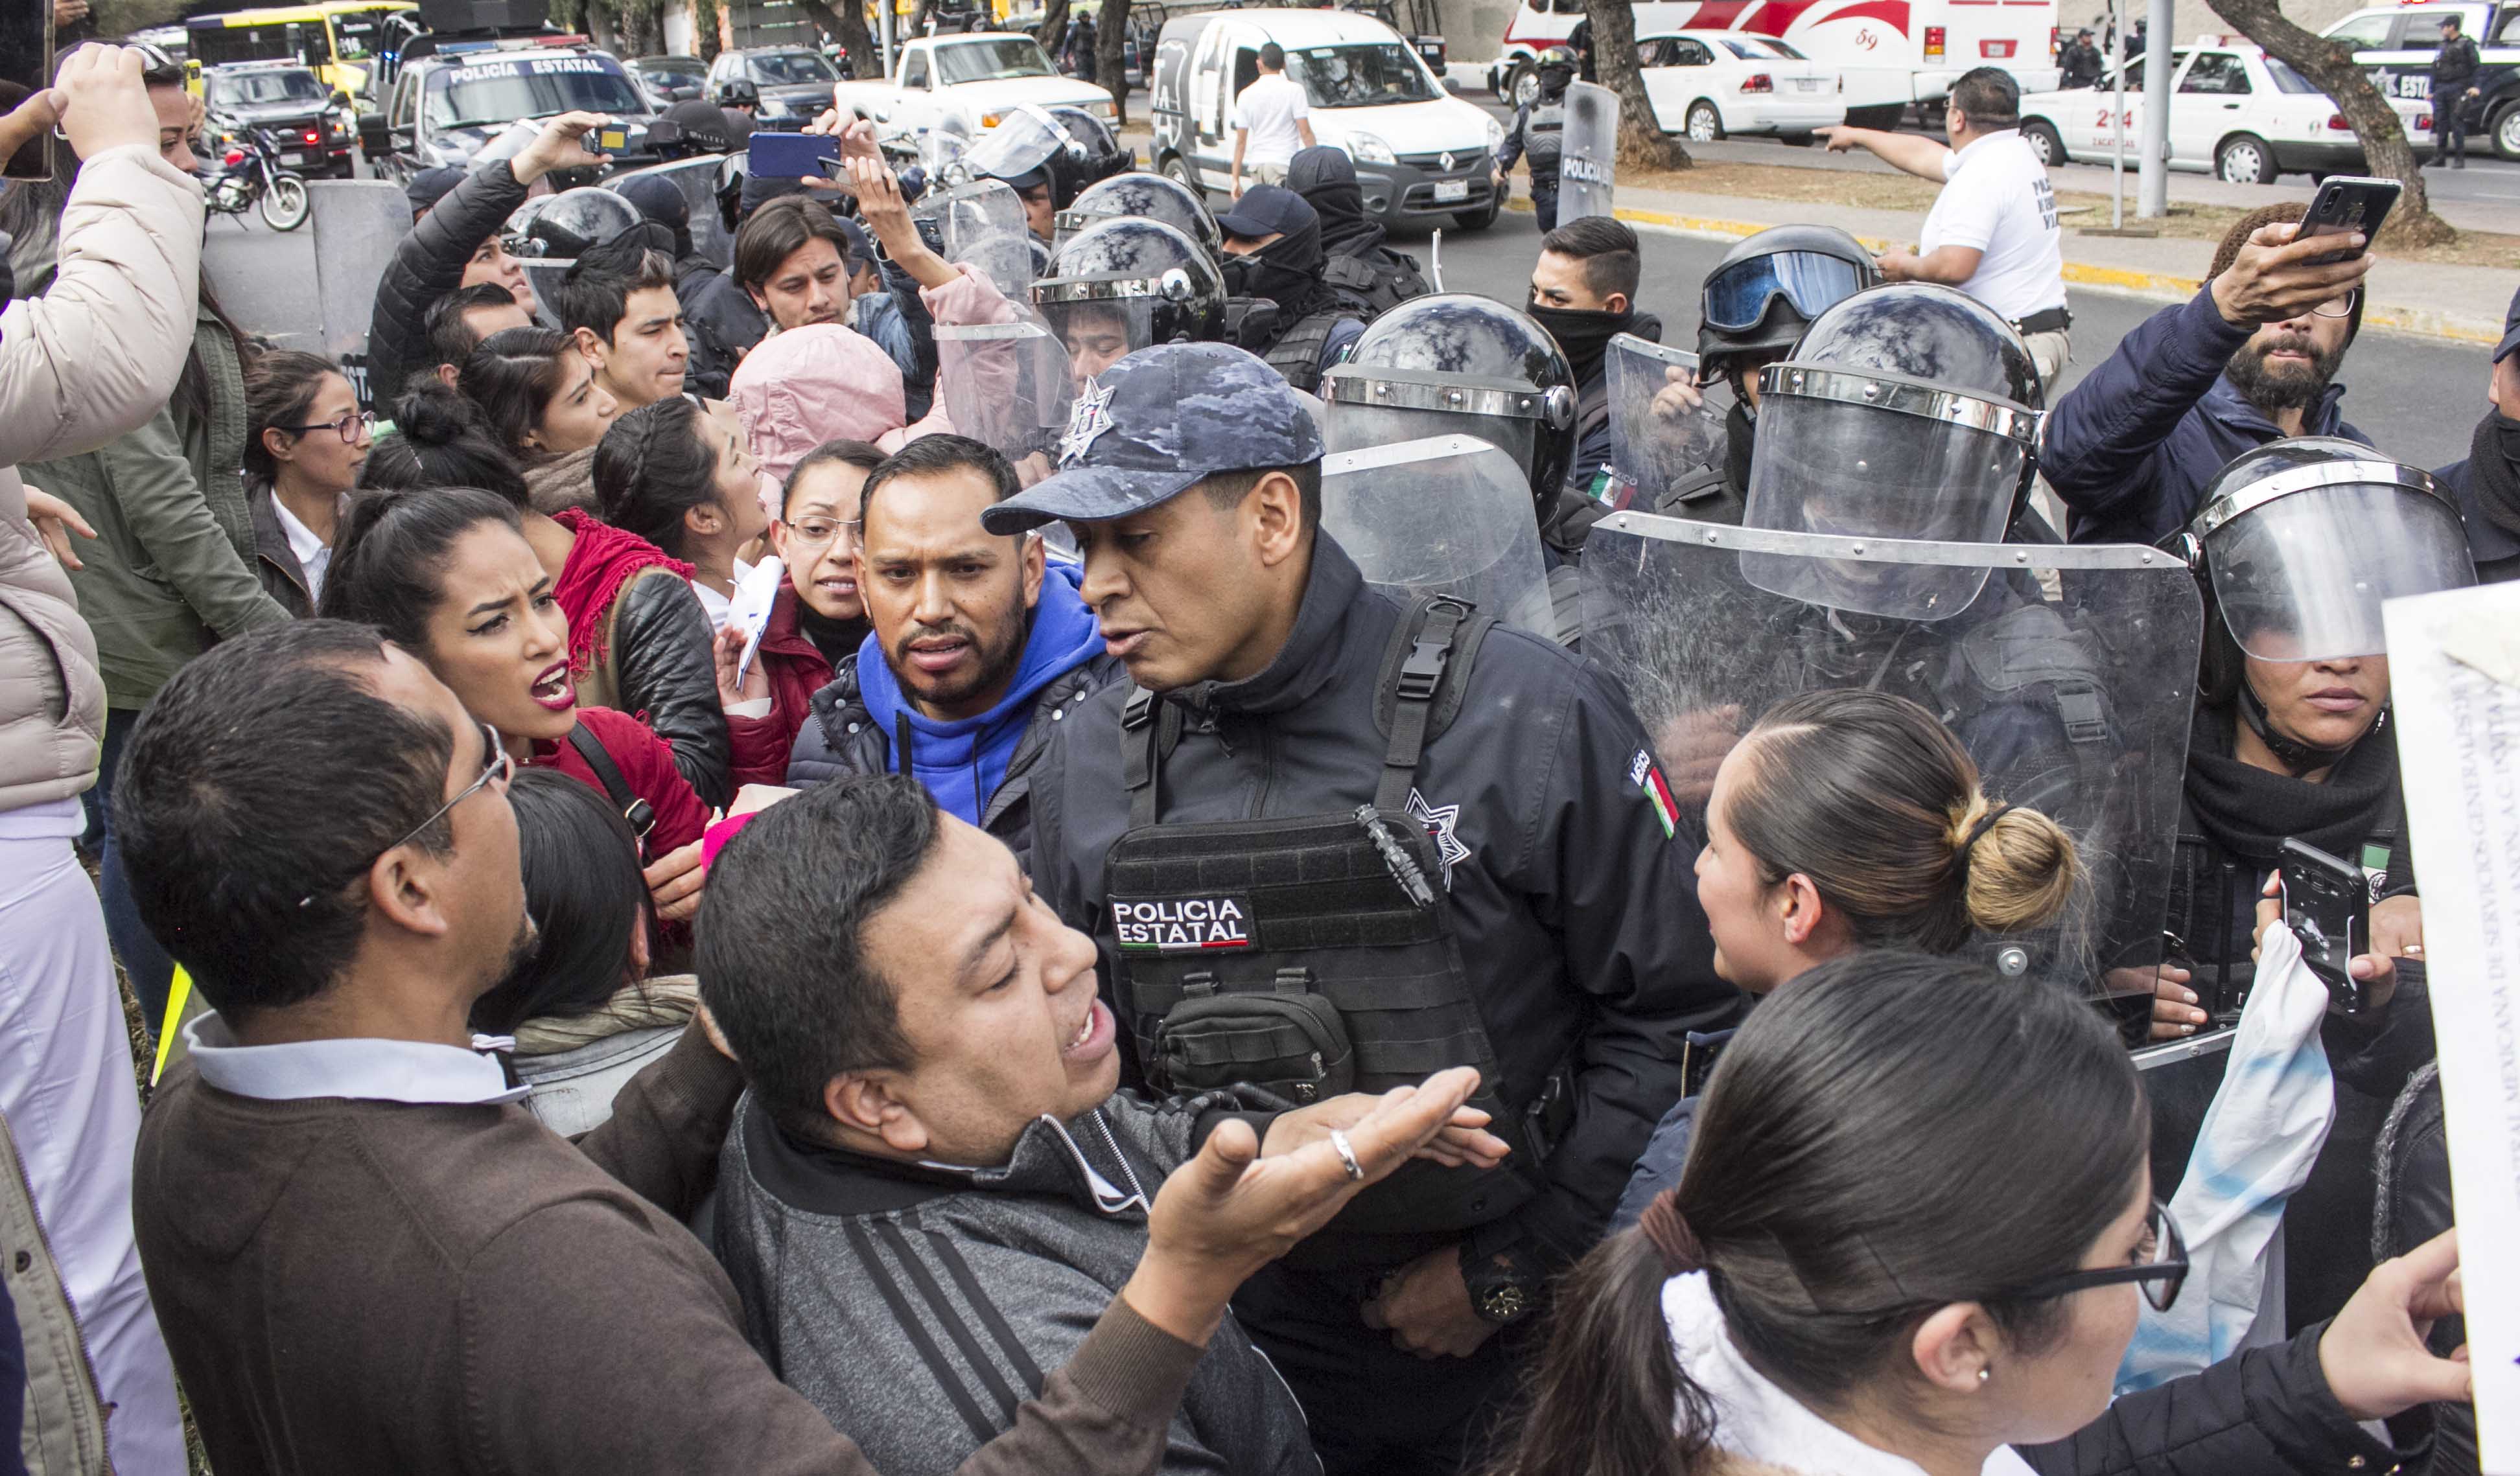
[1268, 757]
[1122, 1159]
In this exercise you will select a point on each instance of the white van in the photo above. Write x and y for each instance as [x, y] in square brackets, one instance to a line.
[1890, 53]
[1423, 156]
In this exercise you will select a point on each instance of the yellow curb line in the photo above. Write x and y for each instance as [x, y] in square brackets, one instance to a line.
[2157, 285]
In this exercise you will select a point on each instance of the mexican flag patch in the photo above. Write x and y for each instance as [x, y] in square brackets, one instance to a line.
[1645, 775]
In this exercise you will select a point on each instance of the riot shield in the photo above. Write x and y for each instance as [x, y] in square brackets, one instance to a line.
[1009, 385]
[1449, 514]
[1656, 436]
[1588, 158]
[698, 179]
[982, 224]
[2070, 677]
[260, 280]
[1022, 142]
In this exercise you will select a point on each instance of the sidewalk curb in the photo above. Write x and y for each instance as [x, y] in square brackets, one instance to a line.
[2125, 281]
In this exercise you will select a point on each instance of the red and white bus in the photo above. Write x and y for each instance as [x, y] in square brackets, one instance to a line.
[1893, 53]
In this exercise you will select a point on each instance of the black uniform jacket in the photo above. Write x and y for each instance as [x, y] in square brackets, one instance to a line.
[1572, 901]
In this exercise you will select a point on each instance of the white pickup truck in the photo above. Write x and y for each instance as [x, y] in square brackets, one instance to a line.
[975, 78]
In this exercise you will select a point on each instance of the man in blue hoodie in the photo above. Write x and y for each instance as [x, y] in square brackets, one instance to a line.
[979, 645]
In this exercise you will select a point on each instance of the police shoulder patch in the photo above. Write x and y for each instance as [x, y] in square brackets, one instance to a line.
[1086, 422]
[1647, 777]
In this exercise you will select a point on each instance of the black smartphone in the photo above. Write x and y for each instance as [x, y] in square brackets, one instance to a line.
[2347, 204]
[2327, 905]
[789, 155]
[27, 39]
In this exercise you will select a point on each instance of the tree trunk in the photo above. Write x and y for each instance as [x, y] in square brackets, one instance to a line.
[2329, 66]
[847, 25]
[1111, 69]
[1642, 144]
[1052, 33]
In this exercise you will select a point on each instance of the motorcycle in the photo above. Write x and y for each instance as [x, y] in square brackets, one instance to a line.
[251, 176]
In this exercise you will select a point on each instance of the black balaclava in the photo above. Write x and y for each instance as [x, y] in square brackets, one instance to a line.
[1583, 336]
[1326, 179]
[1287, 271]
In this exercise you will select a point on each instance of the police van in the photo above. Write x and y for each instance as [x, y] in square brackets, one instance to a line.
[1889, 56]
[2396, 45]
[1423, 156]
[452, 97]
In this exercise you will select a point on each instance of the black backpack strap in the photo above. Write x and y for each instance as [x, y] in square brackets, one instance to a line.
[1414, 671]
[607, 772]
[1149, 729]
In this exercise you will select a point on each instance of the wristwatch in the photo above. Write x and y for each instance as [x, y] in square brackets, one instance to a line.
[1503, 1284]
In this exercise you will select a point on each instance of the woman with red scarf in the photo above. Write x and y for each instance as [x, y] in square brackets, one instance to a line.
[448, 574]
[637, 639]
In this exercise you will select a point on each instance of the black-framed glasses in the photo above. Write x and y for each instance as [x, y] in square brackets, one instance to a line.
[350, 427]
[2160, 1277]
[498, 767]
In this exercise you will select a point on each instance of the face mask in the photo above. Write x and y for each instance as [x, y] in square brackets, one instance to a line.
[1583, 335]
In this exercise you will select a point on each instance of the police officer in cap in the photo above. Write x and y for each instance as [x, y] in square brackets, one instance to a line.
[1273, 250]
[1493, 873]
[1538, 134]
[1750, 309]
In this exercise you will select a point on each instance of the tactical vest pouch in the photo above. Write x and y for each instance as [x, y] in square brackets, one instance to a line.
[1290, 1043]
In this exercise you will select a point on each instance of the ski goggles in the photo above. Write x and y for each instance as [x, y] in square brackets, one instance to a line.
[1738, 296]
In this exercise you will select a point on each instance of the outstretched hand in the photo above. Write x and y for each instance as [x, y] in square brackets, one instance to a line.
[2374, 1355]
[562, 144]
[1227, 1212]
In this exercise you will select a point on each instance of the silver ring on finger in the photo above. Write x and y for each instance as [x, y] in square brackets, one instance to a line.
[1347, 1155]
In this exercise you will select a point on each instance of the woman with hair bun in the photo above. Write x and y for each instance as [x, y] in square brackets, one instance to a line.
[1916, 1236]
[1846, 820]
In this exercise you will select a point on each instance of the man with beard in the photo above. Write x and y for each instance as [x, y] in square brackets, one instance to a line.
[1584, 291]
[976, 646]
[2251, 358]
[2488, 483]
[1273, 250]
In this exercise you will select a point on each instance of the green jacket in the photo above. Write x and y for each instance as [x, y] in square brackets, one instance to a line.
[172, 568]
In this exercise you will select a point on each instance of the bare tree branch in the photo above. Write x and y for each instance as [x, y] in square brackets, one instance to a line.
[2329, 66]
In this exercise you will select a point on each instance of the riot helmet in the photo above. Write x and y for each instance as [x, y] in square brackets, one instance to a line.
[1028, 149]
[980, 224]
[1151, 197]
[1127, 283]
[1905, 412]
[1556, 67]
[1102, 153]
[1457, 364]
[1770, 287]
[559, 228]
[2296, 543]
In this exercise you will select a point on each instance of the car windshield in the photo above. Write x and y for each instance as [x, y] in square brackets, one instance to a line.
[673, 76]
[528, 87]
[1367, 75]
[787, 69]
[2287, 80]
[988, 61]
[255, 88]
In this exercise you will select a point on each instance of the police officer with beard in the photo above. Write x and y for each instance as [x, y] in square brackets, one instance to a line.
[2252, 357]
[1322, 840]
[1273, 250]
[1538, 134]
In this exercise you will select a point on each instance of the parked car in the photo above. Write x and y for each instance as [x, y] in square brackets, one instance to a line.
[307, 122]
[791, 84]
[1710, 83]
[667, 80]
[1423, 156]
[2234, 111]
[973, 79]
[453, 97]
[1889, 56]
[2396, 45]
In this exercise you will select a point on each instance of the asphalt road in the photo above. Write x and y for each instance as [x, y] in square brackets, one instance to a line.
[2417, 398]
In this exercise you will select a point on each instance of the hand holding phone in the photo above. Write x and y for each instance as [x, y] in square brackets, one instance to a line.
[2327, 905]
[2345, 205]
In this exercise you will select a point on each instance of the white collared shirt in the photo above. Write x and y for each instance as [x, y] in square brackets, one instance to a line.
[358, 1069]
[717, 605]
[313, 555]
[1997, 199]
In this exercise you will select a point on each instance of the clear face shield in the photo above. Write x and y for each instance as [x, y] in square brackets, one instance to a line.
[1020, 144]
[2303, 561]
[1662, 427]
[1372, 407]
[942, 147]
[1099, 322]
[1008, 385]
[981, 225]
[1447, 515]
[1887, 457]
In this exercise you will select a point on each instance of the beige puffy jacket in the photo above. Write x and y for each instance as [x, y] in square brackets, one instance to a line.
[94, 356]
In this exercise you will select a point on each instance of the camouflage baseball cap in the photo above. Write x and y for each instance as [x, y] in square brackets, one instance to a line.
[1154, 424]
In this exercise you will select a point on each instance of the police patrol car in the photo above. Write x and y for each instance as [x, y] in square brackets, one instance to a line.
[453, 95]
[2396, 45]
[2234, 111]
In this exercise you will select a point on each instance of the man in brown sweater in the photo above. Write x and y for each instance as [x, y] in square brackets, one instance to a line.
[366, 1256]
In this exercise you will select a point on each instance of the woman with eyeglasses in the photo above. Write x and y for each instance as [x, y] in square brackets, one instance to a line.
[1915, 1235]
[1849, 819]
[817, 621]
[638, 639]
[305, 440]
[446, 574]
